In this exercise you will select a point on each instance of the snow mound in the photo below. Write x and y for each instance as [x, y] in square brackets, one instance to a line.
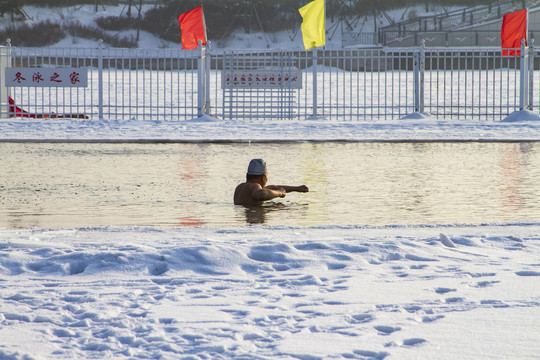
[204, 119]
[522, 115]
[417, 116]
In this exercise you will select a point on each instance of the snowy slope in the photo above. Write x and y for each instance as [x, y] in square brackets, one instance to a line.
[85, 14]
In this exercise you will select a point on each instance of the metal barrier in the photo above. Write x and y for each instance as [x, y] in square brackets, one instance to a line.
[477, 84]
[5, 62]
[350, 38]
[350, 84]
[453, 38]
[122, 83]
[335, 84]
[457, 19]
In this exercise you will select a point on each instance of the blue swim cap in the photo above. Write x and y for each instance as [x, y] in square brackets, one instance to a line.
[257, 167]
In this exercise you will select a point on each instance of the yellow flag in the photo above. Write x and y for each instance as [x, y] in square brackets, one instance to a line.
[313, 24]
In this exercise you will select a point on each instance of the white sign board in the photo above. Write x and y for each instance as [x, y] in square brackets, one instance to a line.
[262, 79]
[45, 77]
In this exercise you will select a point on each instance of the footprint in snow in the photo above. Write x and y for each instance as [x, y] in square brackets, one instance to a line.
[412, 308]
[336, 266]
[158, 269]
[371, 354]
[482, 284]
[77, 267]
[413, 341]
[360, 318]
[237, 314]
[311, 246]
[386, 330]
[429, 319]
[452, 300]
[494, 303]
[515, 238]
[528, 273]
[442, 290]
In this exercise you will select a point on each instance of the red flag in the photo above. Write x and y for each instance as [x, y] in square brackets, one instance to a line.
[193, 28]
[514, 28]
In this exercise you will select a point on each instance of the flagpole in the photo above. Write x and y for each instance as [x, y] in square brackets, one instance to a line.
[523, 75]
[204, 23]
[205, 107]
[314, 37]
[526, 27]
[315, 65]
[531, 74]
[524, 68]
[529, 55]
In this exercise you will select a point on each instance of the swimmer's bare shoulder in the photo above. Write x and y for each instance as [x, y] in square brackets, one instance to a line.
[251, 193]
[243, 194]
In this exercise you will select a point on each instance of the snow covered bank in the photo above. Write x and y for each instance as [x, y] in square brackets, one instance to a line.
[210, 129]
[276, 293]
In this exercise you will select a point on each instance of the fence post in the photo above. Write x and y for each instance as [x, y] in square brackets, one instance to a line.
[315, 104]
[5, 61]
[100, 79]
[281, 89]
[524, 78]
[531, 74]
[233, 64]
[419, 65]
[200, 80]
[207, 65]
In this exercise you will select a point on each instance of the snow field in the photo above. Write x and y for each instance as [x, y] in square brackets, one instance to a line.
[289, 293]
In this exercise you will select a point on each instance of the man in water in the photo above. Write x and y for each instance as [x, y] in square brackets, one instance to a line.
[255, 191]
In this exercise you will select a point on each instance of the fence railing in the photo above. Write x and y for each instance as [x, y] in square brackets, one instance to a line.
[348, 84]
[350, 38]
[455, 38]
[122, 83]
[452, 20]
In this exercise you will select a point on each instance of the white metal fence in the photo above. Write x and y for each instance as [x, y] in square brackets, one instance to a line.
[122, 83]
[349, 84]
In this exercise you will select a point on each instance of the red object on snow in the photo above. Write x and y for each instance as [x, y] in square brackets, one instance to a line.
[15, 111]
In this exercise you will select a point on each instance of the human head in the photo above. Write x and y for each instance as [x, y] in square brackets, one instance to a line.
[256, 169]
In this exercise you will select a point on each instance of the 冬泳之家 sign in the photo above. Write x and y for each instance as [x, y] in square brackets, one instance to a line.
[45, 77]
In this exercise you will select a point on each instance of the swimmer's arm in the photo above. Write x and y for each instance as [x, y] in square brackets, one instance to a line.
[267, 193]
[301, 188]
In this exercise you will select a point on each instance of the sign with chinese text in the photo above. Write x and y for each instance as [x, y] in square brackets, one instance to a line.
[45, 77]
[291, 78]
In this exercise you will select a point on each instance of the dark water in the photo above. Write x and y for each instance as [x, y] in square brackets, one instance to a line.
[170, 185]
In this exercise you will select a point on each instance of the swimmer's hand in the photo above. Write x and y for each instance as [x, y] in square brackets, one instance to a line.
[302, 188]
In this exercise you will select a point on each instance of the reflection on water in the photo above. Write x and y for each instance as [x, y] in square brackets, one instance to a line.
[71, 185]
[257, 214]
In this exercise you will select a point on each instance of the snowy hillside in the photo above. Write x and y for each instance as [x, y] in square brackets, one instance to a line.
[86, 15]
